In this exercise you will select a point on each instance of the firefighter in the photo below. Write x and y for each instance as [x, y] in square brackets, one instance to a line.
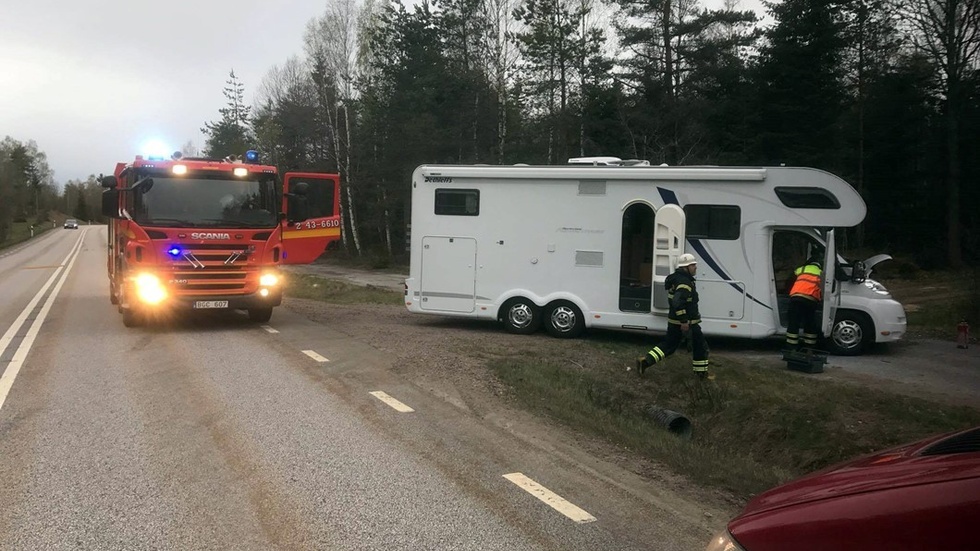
[683, 318]
[804, 299]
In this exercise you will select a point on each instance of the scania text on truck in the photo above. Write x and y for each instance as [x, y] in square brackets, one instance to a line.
[590, 244]
[211, 234]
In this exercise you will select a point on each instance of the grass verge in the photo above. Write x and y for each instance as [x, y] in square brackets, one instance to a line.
[753, 427]
[21, 231]
[338, 292]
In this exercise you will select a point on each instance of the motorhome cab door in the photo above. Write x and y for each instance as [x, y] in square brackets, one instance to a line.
[668, 244]
[831, 290]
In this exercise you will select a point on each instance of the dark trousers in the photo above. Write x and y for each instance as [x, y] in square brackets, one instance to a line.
[669, 344]
[802, 315]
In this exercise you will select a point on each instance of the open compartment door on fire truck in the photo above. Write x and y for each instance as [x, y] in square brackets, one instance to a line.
[668, 243]
[831, 290]
[312, 205]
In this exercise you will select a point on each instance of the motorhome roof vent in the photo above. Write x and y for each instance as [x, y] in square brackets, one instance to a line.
[595, 161]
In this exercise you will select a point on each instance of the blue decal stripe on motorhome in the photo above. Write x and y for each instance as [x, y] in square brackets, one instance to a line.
[670, 198]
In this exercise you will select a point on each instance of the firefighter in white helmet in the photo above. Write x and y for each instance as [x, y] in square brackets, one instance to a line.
[683, 318]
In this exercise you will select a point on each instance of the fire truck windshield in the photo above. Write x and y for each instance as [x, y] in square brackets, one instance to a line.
[200, 202]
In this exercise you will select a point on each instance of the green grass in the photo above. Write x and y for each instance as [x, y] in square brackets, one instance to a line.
[21, 231]
[753, 427]
[338, 292]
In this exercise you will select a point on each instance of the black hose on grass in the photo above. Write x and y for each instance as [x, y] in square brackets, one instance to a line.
[676, 423]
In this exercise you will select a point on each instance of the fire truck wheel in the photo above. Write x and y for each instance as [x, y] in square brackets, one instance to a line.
[521, 316]
[260, 315]
[131, 318]
[113, 298]
[564, 320]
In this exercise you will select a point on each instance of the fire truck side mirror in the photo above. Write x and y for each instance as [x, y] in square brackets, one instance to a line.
[109, 182]
[110, 203]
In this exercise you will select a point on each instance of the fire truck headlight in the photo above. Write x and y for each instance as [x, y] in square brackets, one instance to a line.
[263, 293]
[149, 289]
[241, 171]
[179, 169]
[269, 280]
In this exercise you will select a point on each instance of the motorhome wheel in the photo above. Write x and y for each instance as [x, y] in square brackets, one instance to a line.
[521, 316]
[564, 320]
[851, 334]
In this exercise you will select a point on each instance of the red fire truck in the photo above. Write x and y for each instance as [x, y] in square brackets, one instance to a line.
[208, 234]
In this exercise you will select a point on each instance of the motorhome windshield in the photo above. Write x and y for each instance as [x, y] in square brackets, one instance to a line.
[205, 202]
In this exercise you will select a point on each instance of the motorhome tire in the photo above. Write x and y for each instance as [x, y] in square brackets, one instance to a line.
[851, 334]
[521, 316]
[260, 315]
[564, 320]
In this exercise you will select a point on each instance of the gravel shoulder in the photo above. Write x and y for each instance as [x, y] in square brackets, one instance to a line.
[446, 358]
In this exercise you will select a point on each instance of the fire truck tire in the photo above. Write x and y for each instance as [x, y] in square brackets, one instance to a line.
[131, 318]
[113, 298]
[260, 315]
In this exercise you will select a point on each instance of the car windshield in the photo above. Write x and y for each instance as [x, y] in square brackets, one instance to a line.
[70, 221]
[205, 202]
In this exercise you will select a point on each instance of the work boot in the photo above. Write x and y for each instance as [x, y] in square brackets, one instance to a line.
[642, 363]
[705, 376]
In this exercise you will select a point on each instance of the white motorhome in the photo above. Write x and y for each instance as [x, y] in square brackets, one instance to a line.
[590, 245]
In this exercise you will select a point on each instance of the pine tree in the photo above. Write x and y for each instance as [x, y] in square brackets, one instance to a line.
[232, 134]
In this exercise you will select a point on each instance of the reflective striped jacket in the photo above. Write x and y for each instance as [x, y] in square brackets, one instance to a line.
[809, 282]
[683, 296]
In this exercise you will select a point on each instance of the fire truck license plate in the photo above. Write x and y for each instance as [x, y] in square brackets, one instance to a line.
[211, 304]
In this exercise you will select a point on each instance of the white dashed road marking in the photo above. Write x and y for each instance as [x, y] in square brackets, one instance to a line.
[269, 329]
[315, 356]
[398, 406]
[553, 500]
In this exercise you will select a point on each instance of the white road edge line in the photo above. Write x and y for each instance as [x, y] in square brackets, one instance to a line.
[552, 499]
[17, 361]
[269, 329]
[395, 404]
[315, 356]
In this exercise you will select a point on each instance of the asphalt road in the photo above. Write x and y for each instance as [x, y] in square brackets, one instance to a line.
[216, 433]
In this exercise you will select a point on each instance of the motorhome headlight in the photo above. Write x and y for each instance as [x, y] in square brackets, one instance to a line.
[268, 280]
[875, 286]
[149, 289]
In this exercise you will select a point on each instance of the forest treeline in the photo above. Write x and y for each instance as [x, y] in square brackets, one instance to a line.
[885, 93]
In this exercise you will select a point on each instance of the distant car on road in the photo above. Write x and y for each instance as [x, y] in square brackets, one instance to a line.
[924, 495]
[71, 224]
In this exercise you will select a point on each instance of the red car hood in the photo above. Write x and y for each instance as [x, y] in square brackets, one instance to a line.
[942, 458]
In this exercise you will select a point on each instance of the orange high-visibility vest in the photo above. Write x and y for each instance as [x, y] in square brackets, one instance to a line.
[809, 283]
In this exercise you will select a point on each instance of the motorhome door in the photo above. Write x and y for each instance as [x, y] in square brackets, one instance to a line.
[448, 278]
[668, 244]
[831, 290]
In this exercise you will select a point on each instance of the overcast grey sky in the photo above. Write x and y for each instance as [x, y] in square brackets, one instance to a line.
[92, 80]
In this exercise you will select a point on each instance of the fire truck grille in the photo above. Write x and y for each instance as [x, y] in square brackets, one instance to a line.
[206, 268]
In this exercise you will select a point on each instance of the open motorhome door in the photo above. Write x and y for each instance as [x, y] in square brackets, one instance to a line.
[312, 204]
[668, 244]
[831, 290]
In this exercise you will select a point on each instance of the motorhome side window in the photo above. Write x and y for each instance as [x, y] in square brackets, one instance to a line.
[713, 221]
[458, 202]
[807, 198]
